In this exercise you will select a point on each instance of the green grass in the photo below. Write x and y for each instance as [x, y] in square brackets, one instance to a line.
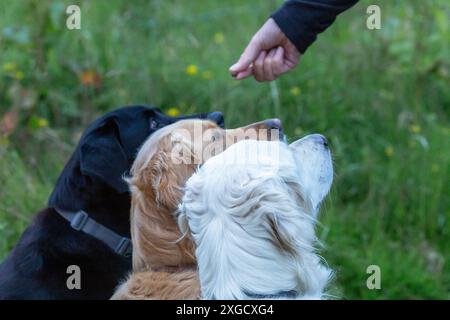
[382, 98]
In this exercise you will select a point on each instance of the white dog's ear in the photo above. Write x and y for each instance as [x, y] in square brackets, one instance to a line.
[282, 237]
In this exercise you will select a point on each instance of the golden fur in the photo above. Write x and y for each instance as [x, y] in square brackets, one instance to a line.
[158, 176]
[161, 285]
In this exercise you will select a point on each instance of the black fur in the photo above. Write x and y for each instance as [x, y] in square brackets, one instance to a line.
[92, 181]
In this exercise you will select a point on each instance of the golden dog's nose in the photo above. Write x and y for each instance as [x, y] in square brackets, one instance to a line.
[270, 129]
[273, 124]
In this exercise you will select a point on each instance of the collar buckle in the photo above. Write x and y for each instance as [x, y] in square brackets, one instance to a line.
[124, 247]
[79, 220]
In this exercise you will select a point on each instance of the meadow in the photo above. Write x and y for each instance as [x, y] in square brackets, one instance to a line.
[382, 97]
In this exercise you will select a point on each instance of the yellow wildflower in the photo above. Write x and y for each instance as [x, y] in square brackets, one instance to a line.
[389, 151]
[9, 67]
[19, 75]
[42, 122]
[219, 38]
[295, 91]
[35, 123]
[415, 128]
[173, 112]
[191, 70]
[206, 75]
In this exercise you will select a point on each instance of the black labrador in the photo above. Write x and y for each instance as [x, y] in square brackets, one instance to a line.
[61, 243]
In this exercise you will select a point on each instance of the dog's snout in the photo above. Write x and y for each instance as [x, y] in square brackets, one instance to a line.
[270, 129]
[217, 117]
[320, 139]
[273, 124]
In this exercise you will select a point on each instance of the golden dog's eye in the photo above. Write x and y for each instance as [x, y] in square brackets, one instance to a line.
[216, 136]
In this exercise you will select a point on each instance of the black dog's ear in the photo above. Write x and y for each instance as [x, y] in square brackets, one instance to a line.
[217, 117]
[103, 157]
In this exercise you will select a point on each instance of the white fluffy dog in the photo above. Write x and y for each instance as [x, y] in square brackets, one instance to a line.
[251, 211]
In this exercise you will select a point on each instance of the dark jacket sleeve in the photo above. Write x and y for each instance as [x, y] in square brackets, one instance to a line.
[302, 20]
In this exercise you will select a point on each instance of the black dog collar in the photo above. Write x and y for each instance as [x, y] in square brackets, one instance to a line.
[81, 221]
[291, 294]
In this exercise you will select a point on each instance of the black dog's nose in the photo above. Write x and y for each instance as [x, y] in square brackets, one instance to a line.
[217, 117]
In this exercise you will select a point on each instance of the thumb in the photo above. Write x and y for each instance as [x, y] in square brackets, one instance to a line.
[250, 54]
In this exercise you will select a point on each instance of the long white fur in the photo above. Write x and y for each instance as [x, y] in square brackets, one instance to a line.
[231, 208]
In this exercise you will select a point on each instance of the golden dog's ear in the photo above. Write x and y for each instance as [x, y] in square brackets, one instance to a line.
[162, 178]
[169, 169]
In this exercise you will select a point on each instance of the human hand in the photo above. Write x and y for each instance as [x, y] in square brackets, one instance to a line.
[268, 55]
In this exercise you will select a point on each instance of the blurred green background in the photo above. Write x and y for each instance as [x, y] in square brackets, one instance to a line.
[382, 97]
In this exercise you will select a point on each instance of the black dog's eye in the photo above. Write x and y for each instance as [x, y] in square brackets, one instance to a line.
[153, 124]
